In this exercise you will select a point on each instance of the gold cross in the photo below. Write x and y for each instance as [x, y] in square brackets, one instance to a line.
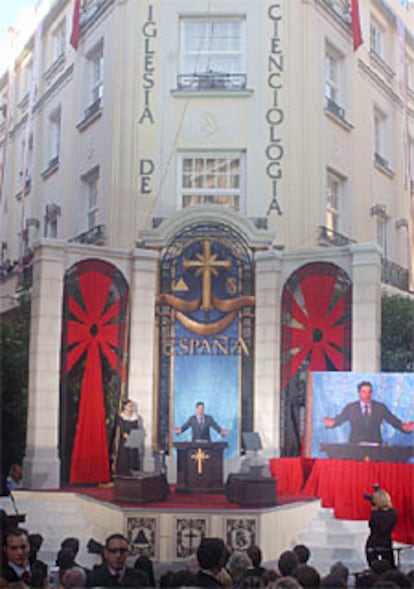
[199, 457]
[206, 264]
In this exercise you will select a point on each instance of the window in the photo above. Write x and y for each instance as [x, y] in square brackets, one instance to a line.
[333, 81]
[59, 41]
[410, 73]
[25, 168]
[96, 63]
[211, 179]
[334, 195]
[91, 191]
[379, 211]
[213, 51]
[51, 220]
[380, 126]
[377, 38]
[54, 137]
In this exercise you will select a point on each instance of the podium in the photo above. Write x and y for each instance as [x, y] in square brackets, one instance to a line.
[368, 452]
[200, 467]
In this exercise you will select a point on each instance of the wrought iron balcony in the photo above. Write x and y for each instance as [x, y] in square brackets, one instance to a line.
[94, 236]
[394, 274]
[212, 81]
[329, 237]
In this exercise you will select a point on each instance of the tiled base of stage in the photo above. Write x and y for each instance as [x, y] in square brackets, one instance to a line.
[164, 534]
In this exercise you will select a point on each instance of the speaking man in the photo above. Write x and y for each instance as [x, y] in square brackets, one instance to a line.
[200, 424]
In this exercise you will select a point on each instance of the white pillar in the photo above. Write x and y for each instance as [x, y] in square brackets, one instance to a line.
[41, 466]
[366, 307]
[142, 341]
[267, 349]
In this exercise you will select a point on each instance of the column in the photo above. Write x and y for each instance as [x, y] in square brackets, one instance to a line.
[366, 307]
[142, 341]
[41, 466]
[267, 349]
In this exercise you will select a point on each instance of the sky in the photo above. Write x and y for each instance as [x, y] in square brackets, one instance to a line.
[11, 12]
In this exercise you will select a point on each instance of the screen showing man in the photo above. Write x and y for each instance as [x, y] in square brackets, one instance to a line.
[366, 417]
[200, 425]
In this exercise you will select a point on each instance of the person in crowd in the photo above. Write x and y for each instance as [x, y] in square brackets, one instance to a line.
[302, 552]
[397, 577]
[287, 583]
[255, 555]
[200, 424]
[16, 549]
[114, 572]
[366, 579]
[35, 541]
[14, 479]
[381, 523]
[238, 565]
[366, 417]
[287, 563]
[308, 576]
[331, 581]
[144, 563]
[74, 577]
[130, 459]
[338, 569]
[210, 556]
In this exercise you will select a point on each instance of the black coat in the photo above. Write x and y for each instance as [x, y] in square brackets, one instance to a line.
[367, 430]
[201, 432]
[101, 577]
[206, 580]
[379, 542]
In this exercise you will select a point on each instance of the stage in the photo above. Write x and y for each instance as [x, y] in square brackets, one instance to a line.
[169, 530]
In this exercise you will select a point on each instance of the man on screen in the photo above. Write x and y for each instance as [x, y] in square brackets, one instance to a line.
[366, 416]
[200, 424]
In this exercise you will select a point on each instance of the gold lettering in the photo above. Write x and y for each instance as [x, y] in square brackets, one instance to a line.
[221, 344]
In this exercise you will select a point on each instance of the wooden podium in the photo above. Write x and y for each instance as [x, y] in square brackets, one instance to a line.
[200, 467]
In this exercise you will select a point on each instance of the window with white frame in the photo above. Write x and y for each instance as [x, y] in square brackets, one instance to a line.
[377, 38]
[409, 69]
[59, 41]
[380, 137]
[334, 197]
[96, 64]
[334, 83]
[54, 130]
[213, 49]
[91, 192]
[211, 178]
[379, 211]
[51, 220]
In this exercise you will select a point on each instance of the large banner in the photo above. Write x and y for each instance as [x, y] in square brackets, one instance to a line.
[362, 416]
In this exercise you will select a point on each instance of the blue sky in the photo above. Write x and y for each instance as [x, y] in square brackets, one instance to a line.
[11, 11]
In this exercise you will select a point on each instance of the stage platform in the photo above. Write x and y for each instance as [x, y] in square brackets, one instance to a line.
[168, 531]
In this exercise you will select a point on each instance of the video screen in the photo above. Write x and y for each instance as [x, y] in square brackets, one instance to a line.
[360, 416]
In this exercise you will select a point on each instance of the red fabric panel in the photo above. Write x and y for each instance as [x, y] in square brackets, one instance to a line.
[356, 24]
[340, 484]
[288, 473]
[90, 459]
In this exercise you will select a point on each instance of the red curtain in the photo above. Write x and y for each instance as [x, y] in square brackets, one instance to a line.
[92, 329]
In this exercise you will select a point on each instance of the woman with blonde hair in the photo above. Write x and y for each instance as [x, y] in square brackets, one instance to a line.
[381, 523]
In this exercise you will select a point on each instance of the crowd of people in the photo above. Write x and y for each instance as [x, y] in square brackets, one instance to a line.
[213, 565]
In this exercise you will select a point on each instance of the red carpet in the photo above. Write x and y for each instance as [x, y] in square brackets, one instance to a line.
[204, 501]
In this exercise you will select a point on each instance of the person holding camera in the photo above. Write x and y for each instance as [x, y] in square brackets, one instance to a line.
[381, 523]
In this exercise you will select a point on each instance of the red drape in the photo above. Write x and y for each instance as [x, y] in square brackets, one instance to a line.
[91, 330]
[341, 484]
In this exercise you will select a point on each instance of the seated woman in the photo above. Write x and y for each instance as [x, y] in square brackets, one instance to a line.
[14, 480]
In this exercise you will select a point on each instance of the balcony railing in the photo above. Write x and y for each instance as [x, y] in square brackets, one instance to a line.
[94, 236]
[212, 81]
[328, 237]
[394, 274]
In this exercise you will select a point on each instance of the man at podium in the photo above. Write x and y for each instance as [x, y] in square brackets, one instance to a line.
[200, 424]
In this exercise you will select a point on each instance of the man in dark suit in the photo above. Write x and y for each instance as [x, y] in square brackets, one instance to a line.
[114, 572]
[366, 417]
[16, 550]
[211, 555]
[200, 424]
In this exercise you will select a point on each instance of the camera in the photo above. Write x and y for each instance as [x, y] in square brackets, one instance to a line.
[369, 496]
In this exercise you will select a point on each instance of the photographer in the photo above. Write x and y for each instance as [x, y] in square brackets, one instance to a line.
[382, 521]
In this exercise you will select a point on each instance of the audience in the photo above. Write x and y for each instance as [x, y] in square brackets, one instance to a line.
[213, 565]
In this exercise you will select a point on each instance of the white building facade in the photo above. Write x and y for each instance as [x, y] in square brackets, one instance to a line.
[250, 126]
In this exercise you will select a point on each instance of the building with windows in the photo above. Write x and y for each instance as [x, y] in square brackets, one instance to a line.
[240, 168]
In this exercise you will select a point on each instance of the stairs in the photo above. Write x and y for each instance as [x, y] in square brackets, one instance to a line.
[330, 540]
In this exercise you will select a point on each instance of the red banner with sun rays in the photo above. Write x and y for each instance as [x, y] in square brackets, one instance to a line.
[92, 328]
[316, 321]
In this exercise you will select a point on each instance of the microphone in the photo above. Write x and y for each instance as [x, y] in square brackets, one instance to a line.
[14, 503]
